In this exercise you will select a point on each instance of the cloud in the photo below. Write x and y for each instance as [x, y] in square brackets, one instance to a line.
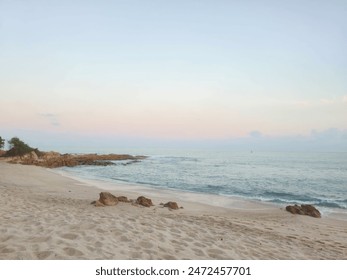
[329, 140]
[255, 134]
[51, 118]
[344, 99]
[326, 101]
[330, 135]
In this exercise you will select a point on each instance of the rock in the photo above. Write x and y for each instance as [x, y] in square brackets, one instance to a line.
[144, 201]
[49, 155]
[123, 199]
[304, 209]
[98, 204]
[295, 209]
[108, 199]
[34, 156]
[310, 210]
[171, 205]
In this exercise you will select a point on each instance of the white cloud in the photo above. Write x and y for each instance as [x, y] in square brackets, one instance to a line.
[326, 101]
[51, 118]
[255, 134]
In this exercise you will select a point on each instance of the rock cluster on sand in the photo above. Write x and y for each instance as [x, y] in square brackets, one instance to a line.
[108, 199]
[304, 209]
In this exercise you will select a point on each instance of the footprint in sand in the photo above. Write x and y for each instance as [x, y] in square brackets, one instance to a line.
[146, 244]
[72, 252]
[215, 251]
[70, 236]
[5, 250]
[168, 257]
[199, 252]
[124, 238]
[43, 255]
[40, 239]
[5, 238]
[135, 255]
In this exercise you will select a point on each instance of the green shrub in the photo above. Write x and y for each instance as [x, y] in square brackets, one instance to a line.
[2, 142]
[18, 148]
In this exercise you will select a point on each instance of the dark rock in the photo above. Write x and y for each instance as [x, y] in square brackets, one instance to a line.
[141, 200]
[108, 199]
[123, 199]
[295, 209]
[310, 210]
[171, 205]
[304, 209]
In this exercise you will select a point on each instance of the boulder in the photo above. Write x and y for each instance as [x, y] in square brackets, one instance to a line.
[171, 205]
[304, 209]
[108, 199]
[141, 200]
[295, 209]
[310, 210]
[123, 199]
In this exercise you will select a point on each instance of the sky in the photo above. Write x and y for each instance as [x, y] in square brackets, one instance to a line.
[132, 72]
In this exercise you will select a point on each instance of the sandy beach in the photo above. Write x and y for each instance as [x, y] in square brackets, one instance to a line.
[44, 215]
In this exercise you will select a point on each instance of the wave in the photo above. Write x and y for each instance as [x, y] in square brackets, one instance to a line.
[289, 196]
[330, 205]
[317, 203]
[173, 158]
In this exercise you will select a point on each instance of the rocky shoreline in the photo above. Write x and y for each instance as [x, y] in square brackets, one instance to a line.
[54, 159]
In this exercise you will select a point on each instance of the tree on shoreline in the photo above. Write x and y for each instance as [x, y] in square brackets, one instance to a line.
[2, 142]
[18, 148]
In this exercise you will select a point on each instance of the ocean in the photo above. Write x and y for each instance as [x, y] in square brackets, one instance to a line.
[319, 179]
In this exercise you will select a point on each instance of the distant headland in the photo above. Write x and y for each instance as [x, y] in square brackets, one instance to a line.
[22, 153]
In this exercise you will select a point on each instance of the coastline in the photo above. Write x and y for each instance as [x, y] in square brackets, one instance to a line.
[204, 199]
[49, 216]
[207, 199]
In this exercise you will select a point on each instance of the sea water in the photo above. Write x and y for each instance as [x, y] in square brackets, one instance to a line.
[281, 178]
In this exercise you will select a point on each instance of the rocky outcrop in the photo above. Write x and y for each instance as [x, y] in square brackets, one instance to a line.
[53, 159]
[171, 205]
[304, 209]
[141, 200]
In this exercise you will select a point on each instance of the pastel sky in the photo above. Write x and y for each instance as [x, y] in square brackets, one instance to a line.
[211, 70]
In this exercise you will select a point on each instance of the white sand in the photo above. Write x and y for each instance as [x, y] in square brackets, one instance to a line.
[44, 215]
